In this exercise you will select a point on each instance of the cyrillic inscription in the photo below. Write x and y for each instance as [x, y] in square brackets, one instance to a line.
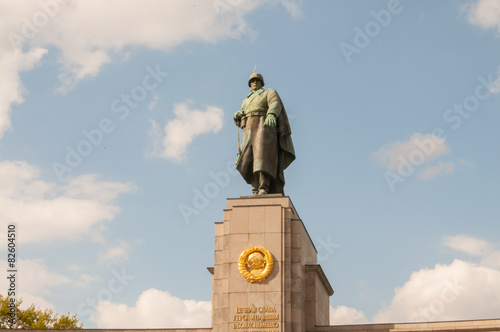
[263, 318]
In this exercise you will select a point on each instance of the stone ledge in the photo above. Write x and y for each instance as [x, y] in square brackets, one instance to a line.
[319, 272]
[263, 196]
[186, 329]
[483, 325]
[271, 199]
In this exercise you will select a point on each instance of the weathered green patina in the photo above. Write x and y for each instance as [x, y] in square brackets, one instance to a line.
[267, 147]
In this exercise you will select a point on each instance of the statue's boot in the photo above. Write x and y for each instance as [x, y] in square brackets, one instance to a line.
[260, 183]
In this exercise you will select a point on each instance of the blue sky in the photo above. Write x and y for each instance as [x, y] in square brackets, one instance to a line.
[117, 150]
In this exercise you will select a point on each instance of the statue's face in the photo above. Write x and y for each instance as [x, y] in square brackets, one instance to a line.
[255, 84]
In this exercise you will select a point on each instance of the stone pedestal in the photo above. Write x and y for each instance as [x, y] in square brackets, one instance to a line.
[293, 297]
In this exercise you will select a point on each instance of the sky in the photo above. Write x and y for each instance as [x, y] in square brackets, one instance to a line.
[117, 151]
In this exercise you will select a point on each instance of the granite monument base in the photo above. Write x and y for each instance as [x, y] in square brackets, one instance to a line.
[265, 275]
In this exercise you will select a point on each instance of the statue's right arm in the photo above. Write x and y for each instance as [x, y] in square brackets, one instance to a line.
[237, 117]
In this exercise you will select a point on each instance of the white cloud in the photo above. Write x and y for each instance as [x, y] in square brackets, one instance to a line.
[86, 38]
[34, 282]
[342, 315]
[35, 277]
[14, 58]
[458, 291]
[116, 254]
[485, 13]
[464, 162]
[153, 102]
[490, 256]
[495, 85]
[85, 281]
[431, 172]
[293, 8]
[154, 309]
[46, 211]
[492, 260]
[468, 244]
[12, 63]
[417, 150]
[181, 131]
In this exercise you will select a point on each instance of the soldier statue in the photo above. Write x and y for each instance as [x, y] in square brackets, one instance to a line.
[266, 149]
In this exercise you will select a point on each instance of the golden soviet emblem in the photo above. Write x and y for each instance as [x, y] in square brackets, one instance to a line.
[255, 264]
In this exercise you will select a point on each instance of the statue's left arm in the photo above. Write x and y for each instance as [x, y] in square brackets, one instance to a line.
[275, 107]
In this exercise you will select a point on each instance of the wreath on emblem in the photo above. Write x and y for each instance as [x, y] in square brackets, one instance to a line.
[255, 264]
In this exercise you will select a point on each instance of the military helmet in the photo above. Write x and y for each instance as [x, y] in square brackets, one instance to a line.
[256, 75]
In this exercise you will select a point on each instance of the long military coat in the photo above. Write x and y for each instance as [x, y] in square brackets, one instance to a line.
[265, 149]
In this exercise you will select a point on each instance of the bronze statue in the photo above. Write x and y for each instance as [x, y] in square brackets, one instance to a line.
[267, 148]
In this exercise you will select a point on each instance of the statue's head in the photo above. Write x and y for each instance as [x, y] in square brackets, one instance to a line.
[256, 76]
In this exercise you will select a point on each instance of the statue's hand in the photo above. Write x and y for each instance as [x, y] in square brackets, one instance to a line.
[237, 116]
[270, 120]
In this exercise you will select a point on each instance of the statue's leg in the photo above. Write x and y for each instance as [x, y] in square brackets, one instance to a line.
[255, 183]
[265, 155]
[264, 182]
